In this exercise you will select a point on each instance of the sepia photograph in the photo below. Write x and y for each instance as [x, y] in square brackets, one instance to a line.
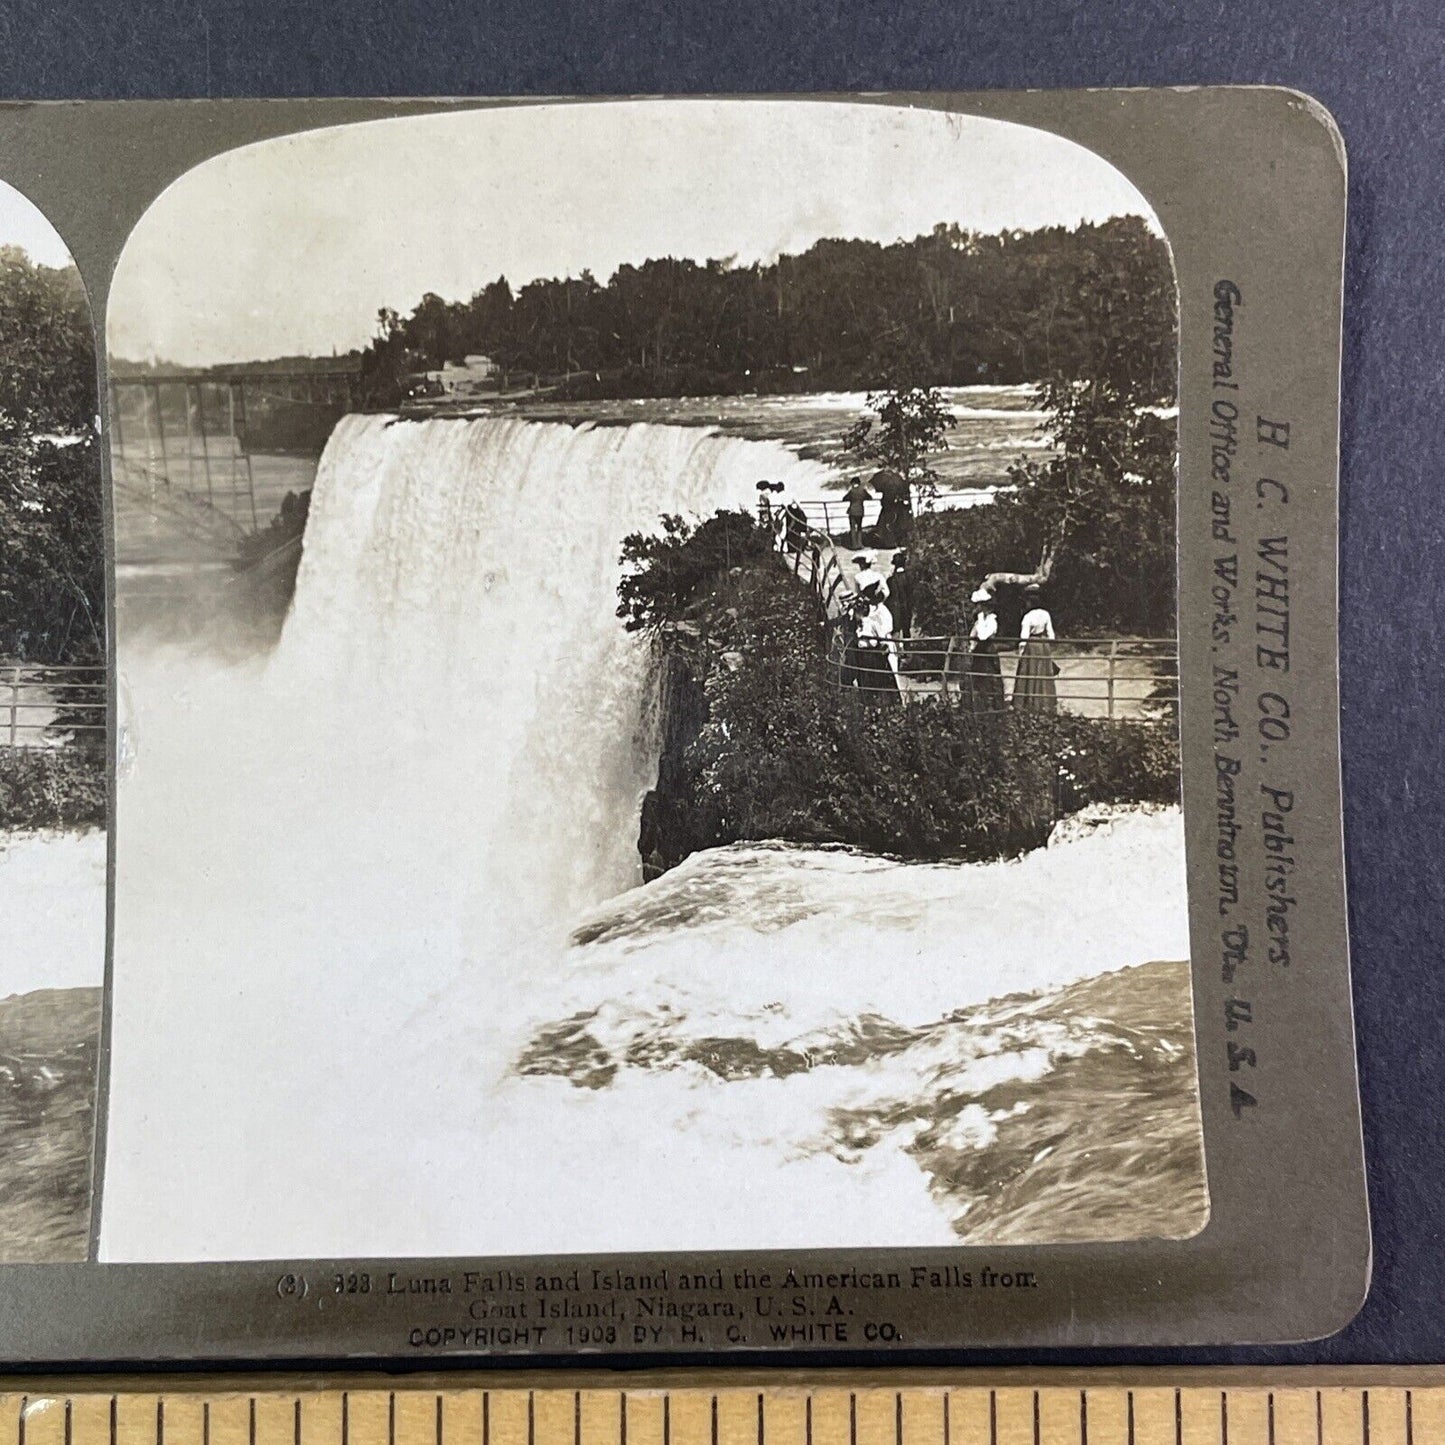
[647, 682]
[52, 743]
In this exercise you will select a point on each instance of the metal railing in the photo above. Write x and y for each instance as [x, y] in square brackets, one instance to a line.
[828, 516]
[1109, 677]
[1115, 678]
[44, 706]
[810, 556]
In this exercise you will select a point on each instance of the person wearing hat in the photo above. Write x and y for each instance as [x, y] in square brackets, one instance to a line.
[895, 516]
[794, 523]
[868, 576]
[900, 593]
[877, 656]
[1034, 678]
[856, 496]
[985, 677]
[765, 505]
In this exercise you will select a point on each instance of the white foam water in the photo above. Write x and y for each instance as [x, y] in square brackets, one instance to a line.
[377, 894]
[52, 910]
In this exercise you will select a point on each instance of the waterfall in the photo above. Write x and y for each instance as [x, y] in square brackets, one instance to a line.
[443, 758]
[386, 980]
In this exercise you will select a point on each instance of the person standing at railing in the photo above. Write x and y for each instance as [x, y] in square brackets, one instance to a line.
[868, 577]
[877, 672]
[900, 594]
[768, 519]
[795, 528]
[856, 496]
[1034, 680]
[984, 675]
[895, 516]
[765, 505]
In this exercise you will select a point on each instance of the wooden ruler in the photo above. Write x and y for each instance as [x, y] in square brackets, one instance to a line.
[1224, 1407]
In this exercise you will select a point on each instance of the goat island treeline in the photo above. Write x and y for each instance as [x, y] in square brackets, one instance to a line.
[953, 306]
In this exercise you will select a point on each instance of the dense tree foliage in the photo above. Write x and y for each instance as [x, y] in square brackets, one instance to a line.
[52, 787]
[665, 574]
[1094, 521]
[1099, 529]
[52, 549]
[949, 308]
[773, 748]
[904, 427]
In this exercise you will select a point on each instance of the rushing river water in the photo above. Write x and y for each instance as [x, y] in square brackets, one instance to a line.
[993, 426]
[387, 980]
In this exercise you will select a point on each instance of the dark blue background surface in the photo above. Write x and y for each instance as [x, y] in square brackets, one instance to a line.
[1380, 67]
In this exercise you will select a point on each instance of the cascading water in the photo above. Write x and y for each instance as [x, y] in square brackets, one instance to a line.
[384, 981]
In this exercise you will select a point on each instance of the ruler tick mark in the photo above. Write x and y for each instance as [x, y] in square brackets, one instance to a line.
[1036, 1415]
[576, 1417]
[1129, 1416]
[808, 1421]
[1365, 1416]
[1223, 1418]
[1084, 1417]
[205, 1424]
[622, 1417]
[897, 1419]
[69, 1433]
[667, 1419]
[1409, 1417]
[1269, 1418]
[161, 1420]
[345, 1417]
[251, 1421]
[531, 1417]
[390, 1418]
[440, 1426]
[296, 1421]
[993, 1418]
[1319, 1419]
[760, 1418]
[486, 1417]
[24, 1410]
[947, 1423]
[1178, 1419]
[714, 1420]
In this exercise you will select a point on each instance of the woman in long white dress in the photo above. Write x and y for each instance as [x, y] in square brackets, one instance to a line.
[1034, 680]
[877, 673]
[985, 678]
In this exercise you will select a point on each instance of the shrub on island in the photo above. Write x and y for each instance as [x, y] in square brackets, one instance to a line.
[760, 742]
[56, 787]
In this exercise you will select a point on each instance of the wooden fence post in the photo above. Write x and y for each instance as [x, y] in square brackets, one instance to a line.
[14, 704]
[1113, 653]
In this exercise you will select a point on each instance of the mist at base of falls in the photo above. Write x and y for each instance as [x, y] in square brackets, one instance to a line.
[386, 981]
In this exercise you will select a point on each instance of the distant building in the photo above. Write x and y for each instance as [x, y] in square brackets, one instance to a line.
[474, 375]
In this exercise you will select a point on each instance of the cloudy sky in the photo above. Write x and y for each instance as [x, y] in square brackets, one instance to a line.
[24, 226]
[293, 245]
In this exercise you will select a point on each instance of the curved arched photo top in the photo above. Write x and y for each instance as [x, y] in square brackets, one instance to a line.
[294, 246]
[52, 742]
